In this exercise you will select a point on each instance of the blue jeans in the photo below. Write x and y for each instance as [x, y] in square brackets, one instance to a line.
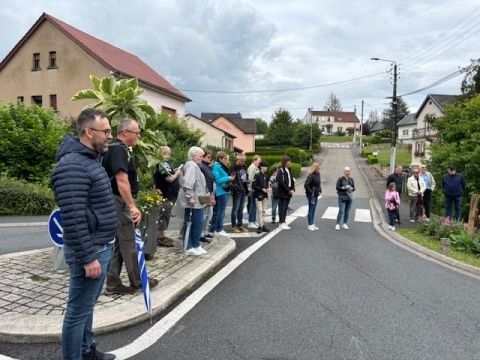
[238, 198]
[457, 201]
[343, 210]
[392, 216]
[274, 207]
[252, 209]
[77, 334]
[312, 205]
[220, 213]
[196, 217]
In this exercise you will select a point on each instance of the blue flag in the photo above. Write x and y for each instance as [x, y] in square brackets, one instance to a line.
[142, 267]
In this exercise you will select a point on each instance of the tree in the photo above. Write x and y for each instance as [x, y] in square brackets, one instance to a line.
[120, 99]
[301, 135]
[29, 141]
[333, 103]
[388, 115]
[459, 133]
[262, 126]
[471, 82]
[281, 129]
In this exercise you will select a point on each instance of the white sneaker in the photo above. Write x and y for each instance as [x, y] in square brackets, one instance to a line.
[223, 233]
[390, 227]
[193, 252]
[337, 227]
[393, 228]
[345, 226]
[201, 250]
[315, 227]
[412, 221]
[284, 226]
[252, 226]
[311, 228]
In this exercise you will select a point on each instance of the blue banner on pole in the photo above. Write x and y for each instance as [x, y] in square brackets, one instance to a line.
[55, 228]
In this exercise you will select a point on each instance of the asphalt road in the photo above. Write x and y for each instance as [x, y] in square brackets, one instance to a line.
[319, 295]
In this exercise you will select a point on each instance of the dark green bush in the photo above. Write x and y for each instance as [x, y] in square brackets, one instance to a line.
[20, 198]
[296, 169]
[295, 154]
[372, 159]
[29, 141]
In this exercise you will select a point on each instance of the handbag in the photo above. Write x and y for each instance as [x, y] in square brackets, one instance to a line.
[204, 199]
[228, 186]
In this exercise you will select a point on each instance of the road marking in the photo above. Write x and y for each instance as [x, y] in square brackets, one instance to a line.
[152, 335]
[330, 213]
[302, 211]
[363, 215]
[32, 224]
[245, 234]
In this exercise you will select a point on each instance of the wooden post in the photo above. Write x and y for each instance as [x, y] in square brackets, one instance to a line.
[472, 213]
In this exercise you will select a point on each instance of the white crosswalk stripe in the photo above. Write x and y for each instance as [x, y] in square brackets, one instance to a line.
[361, 215]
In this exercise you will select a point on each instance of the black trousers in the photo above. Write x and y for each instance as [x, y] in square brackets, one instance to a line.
[282, 209]
[427, 201]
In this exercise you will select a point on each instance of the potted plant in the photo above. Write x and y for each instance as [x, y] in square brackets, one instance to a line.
[148, 203]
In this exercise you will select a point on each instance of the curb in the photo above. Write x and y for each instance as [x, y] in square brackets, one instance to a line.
[21, 328]
[381, 227]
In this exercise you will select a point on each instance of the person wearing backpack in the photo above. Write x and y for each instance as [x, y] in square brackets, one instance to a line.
[312, 190]
[274, 187]
[260, 192]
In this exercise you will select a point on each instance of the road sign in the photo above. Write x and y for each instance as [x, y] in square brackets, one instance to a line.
[55, 228]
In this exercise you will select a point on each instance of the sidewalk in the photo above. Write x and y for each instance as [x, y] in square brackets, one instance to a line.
[33, 297]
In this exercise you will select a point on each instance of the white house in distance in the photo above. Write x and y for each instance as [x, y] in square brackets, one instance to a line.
[432, 107]
[405, 128]
[333, 122]
[211, 134]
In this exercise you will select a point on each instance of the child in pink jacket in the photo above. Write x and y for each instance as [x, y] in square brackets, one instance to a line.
[392, 204]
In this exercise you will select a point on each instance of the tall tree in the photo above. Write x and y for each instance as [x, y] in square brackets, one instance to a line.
[333, 103]
[281, 129]
[471, 82]
[402, 110]
[262, 126]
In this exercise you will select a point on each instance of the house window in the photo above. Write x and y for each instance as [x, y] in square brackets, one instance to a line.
[36, 62]
[19, 98]
[37, 99]
[339, 129]
[53, 101]
[169, 111]
[52, 60]
[228, 144]
[405, 132]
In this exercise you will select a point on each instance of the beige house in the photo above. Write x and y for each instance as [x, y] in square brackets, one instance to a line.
[211, 134]
[333, 122]
[406, 128]
[243, 130]
[53, 61]
[432, 107]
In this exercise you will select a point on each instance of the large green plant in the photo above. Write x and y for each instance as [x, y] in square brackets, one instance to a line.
[29, 141]
[121, 99]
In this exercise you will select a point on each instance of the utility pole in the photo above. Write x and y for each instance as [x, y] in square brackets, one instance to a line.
[354, 123]
[361, 129]
[311, 130]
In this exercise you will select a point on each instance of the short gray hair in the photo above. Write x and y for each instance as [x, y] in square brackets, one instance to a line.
[124, 124]
[194, 150]
[164, 149]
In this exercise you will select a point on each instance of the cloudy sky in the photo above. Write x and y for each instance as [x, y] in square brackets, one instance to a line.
[251, 49]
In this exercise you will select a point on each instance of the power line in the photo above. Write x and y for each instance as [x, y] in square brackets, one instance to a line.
[283, 90]
[436, 83]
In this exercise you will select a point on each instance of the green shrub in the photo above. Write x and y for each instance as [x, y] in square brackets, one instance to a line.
[29, 141]
[371, 159]
[366, 152]
[296, 169]
[20, 198]
[270, 159]
[296, 155]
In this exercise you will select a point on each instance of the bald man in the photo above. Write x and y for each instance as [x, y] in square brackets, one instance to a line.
[345, 191]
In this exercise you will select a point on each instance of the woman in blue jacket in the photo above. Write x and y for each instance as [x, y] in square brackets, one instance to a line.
[222, 182]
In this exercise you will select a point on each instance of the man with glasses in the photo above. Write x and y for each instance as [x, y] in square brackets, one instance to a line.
[166, 182]
[416, 188]
[122, 171]
[83, 193]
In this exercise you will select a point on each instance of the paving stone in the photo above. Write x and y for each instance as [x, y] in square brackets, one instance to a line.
[11, 297]
[3, 311]
[55, 301]
[37, 304]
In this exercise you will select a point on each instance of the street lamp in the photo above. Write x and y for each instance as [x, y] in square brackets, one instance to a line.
[393, 149]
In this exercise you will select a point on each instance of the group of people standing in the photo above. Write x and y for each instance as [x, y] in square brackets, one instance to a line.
[420, 187]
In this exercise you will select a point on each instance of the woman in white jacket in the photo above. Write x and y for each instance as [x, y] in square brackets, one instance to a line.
[416, 188]
[192, 188]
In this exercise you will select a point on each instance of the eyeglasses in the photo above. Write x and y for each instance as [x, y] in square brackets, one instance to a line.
[134, 132]
[105, 131]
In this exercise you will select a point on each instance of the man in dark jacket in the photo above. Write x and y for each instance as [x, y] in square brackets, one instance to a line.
[122, 171]
[345, 190]
[166, 183]
[397, 178]
[206, 167]
[453, 185]
[239, 193]
[82, 191]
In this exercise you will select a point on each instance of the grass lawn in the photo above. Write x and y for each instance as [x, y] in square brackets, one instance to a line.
[432, 244]
[336, 139]
[403, 156]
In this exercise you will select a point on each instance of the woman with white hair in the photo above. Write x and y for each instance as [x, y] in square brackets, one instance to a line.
[193, 189]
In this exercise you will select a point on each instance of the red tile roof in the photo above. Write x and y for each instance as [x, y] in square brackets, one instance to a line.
[116, 60]
[339, 116]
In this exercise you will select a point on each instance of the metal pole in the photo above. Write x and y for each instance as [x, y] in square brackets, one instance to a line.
[361, 129]
[393, 153]
[311, 131]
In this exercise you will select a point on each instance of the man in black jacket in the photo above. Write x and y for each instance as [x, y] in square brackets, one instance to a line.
[83, 193]
[167, 184]
[239, 193]
[453, 185]
[397, 178]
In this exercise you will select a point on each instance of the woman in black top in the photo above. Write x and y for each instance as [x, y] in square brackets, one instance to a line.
[313, 189]
[345, 190]
[286, 188]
